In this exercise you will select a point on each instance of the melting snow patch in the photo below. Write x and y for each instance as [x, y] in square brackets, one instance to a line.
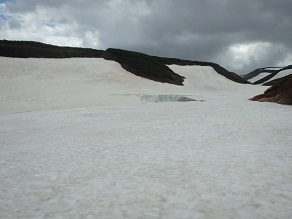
[165, 98]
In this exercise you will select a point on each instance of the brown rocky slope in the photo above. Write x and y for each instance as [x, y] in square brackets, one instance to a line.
[279, 93]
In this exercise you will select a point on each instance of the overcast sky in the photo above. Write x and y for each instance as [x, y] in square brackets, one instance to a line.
[240, 35]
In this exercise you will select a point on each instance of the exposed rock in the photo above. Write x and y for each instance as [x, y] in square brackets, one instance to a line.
[279, 93]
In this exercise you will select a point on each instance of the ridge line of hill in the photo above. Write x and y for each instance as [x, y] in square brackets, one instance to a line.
[143, 65]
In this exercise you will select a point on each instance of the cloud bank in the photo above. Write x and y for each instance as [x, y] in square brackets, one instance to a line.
[239, 35]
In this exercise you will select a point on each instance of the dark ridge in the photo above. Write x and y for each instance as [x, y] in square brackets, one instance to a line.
[30, 49]
[268, 77]
[257, 72]
[219, 69]
[280, 92]
[276, 81]
[151, 67]
[144, 66]
[287, 67]
[136, 63]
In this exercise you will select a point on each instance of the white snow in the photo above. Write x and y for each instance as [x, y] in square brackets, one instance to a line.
[91, 148]
[281, 74]
[273, 68]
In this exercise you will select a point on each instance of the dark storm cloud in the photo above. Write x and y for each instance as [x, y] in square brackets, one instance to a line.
[206, 29]
[240, 35]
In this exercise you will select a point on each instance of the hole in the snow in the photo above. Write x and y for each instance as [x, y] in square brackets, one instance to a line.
[166, 98]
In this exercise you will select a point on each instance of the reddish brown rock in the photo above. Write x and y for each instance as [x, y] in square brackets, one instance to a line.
[280, 93]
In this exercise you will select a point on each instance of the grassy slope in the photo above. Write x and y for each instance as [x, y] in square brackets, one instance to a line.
[151, 67]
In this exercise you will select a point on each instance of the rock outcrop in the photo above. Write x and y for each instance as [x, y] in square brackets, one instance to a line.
[279, 93]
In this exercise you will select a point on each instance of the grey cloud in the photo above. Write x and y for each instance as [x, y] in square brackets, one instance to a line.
[14, 24]
[30, 5]
[190, 29]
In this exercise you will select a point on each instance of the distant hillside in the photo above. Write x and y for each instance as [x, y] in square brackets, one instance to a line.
[278, 93]
[143, 65]
[30, 49]
[219, 69]
[268, 76]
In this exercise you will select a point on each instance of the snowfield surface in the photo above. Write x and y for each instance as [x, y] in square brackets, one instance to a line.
[78, 141]
[42, 84]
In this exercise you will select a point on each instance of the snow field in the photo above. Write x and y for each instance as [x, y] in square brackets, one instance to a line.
[91, 148]
[41, 84]
[169, 160]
